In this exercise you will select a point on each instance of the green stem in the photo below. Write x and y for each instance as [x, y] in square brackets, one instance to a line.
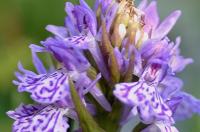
[109, 121]
[87, 123]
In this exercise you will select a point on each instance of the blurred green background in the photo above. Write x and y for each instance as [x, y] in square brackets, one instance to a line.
[23, 21]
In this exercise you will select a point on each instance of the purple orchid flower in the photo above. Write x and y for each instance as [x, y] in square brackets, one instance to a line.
[129, 46]
[144, 96]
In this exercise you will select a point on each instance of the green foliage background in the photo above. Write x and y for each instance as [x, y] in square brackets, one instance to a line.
[23, 21]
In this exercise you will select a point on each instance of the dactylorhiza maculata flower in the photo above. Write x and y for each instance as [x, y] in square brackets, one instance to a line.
[114, 62]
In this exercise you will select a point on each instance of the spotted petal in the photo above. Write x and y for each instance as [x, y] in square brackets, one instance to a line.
[149, 103]
[81, 42]
[46, 88]
[24, 111]
[31, 118]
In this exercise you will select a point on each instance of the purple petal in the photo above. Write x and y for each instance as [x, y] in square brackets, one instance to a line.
[149, 104]
[70, 20]
[100, 98]
[80, 42]
[97, 55]
[93, 83]
[156, 49]
[166, 25]
[37, 48]
[24, 111]
[119, 58]
[151, 15]
[38, 63]
[84, 19]
[71, 27]
[31, 118]
[57, 30]
[187, 107]
[21, 69]
[84, 4]
[69, 7]
[171, 85]
[71, 57]
[174, 102]
[46, 88]
[96, 5]
[105, 4]
[84, 81]
[178, 62]
[110, 16]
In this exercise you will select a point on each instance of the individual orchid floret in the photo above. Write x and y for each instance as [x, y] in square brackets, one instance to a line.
[53, 87]
[82, 24]
[144, 95]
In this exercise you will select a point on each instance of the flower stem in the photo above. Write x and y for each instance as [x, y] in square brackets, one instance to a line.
[109, 121]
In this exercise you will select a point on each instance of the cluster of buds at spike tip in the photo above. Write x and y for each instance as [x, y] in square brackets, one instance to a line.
[126, 30]
[127, 22]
